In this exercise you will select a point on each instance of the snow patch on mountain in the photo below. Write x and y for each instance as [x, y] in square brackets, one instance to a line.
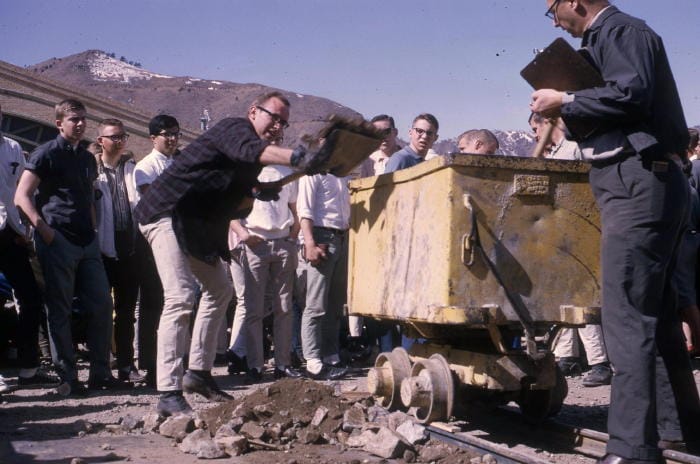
[105, 68]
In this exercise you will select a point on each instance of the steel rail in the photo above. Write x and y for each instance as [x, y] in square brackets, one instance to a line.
[562, 438]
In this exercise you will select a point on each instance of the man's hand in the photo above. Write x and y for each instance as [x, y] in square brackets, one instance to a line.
[46, 232]
[547, 102]
[314, 253]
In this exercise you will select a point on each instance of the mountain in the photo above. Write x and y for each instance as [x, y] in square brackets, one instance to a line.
[186, 98]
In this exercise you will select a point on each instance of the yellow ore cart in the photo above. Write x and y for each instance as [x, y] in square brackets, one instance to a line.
[476, 258]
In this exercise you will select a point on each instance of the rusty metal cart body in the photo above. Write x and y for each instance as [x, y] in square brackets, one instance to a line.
[476, 256]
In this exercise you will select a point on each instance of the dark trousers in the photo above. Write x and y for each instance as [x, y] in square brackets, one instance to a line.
[123, 277]
[14, 263]
[150, 305]
[643, 207]
[70, 270]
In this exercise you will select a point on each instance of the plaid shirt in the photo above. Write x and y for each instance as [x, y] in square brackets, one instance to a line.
[204, 186]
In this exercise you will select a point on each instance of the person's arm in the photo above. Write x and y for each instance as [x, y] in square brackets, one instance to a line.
[244, 234]
[296, 226]
[312, 252]
[24, 200]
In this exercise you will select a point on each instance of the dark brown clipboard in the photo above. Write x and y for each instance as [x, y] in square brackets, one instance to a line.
[560, 67]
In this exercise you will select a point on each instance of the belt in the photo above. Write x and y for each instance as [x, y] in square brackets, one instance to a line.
[331, 230]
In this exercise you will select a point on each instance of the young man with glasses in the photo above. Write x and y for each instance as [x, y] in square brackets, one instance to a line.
[422, 135]
[117, 234]
[185, 215]
[642, 195]
[56, 194]
[164, 131]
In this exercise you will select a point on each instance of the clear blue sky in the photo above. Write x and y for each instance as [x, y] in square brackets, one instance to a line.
[458, 59]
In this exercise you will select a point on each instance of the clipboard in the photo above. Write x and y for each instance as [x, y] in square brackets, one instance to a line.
[560, 67]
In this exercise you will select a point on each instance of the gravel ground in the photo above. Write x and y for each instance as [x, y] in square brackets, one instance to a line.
[38, 426]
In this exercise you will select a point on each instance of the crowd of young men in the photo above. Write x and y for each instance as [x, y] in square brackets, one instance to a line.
[187, 202]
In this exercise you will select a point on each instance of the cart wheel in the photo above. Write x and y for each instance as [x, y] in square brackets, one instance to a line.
[537, 405]
[384, 379]
[430, 391]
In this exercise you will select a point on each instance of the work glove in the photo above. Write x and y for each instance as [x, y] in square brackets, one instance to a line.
[314, 162]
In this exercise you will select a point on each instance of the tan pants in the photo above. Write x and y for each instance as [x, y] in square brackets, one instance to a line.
[180, 275]
[566, 343]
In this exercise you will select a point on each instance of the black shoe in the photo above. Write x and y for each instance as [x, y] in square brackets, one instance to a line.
[172, 404]
[569, 366]
[108, 383]
[599, 375]
[287, 372]
[253, 376]
[39, 379]
[203, 383]
[221, 359]
[131, 374]
[614, 459]
[236, 364]
[328, 373]
[297, 360]
[72, 388]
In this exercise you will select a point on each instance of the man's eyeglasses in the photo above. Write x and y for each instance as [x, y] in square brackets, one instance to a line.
[116, 137]
[552, 11]
[420, 132]
[276, 118]
[170, 135]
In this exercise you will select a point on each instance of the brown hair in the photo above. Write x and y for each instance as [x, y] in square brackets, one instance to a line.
[67, 106]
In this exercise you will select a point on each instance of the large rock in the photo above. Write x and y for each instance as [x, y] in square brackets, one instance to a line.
[353, 418]
[129, 423]
[319, 416]
[200, 444]
[359, 440]
[386, 444]
[176, 427]
[413, 433]
[252, 431]
[233, 445]
[151, 422]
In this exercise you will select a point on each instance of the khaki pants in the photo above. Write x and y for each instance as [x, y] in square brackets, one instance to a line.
[566, 343]
[180, 275]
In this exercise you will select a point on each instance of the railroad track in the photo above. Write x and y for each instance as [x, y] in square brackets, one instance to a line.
[522, 443]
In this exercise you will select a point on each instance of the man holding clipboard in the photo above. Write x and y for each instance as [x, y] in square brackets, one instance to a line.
[632, 129]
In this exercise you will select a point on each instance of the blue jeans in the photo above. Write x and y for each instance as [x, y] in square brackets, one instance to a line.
[70, 269]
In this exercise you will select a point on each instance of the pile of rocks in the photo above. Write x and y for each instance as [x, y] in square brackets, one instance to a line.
[295, 412]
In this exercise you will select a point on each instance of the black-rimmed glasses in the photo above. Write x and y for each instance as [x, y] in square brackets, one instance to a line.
[420, 132]
[276, 118]
[552, 11]
[116, 137]
[170, 135]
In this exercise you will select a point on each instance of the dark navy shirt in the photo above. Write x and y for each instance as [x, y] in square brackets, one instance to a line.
[640, 97]
[65, 196]
[203, 187]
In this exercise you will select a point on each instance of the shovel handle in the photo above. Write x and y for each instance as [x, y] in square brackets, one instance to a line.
[544, 140]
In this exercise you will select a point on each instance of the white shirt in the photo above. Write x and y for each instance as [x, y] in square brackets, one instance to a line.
[325, 199]
[379, 160]
[11, 167]
[273, 219]
[150, 167]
